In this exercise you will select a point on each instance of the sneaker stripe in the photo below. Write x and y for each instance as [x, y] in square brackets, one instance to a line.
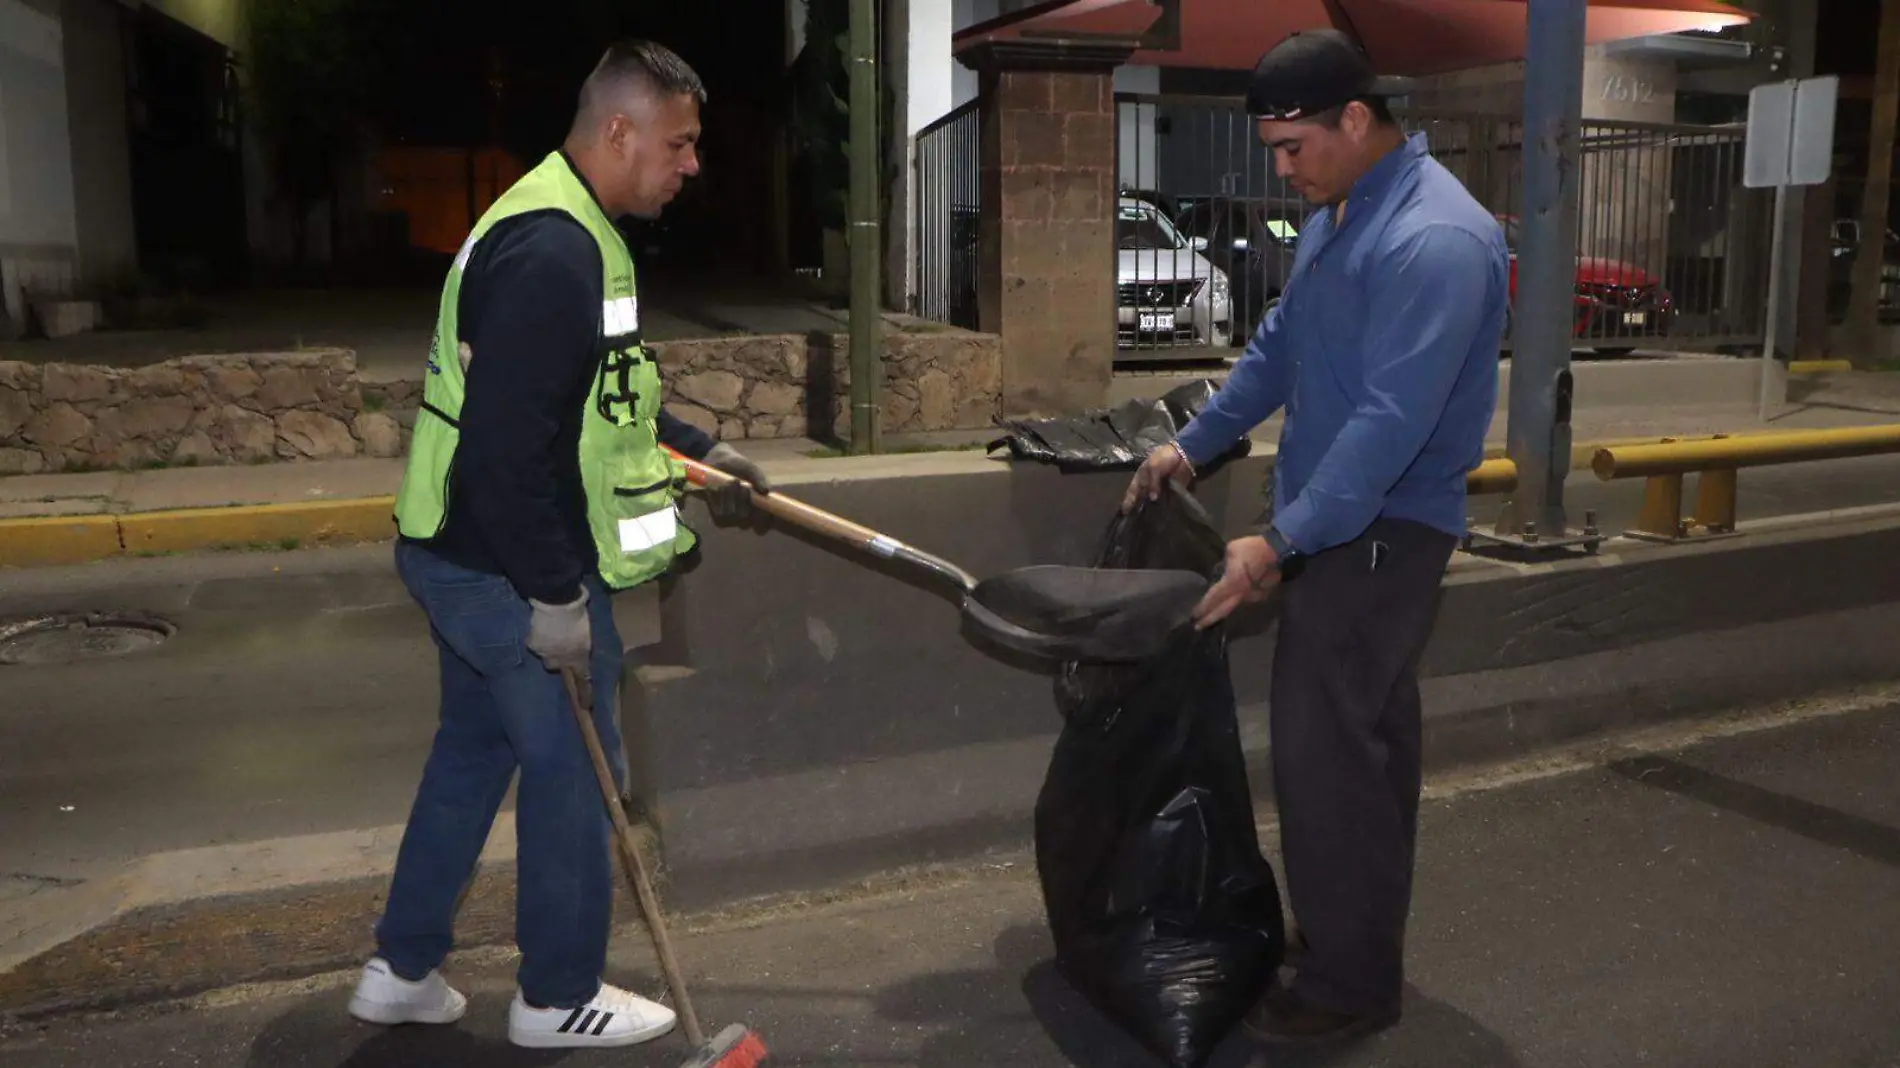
[587, 1021]
[573, 1016]
[605, 1018]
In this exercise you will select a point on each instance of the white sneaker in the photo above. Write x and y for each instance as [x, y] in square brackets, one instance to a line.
[614, 1018]
[383, 997]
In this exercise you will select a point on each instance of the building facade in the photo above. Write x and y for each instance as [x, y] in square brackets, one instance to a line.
[120, 151]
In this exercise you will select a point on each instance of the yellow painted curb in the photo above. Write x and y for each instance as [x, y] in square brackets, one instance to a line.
[287, 526]
[50, 540]
[1815, 367]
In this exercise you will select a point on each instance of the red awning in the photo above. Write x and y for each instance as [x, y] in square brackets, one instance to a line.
[1415, 37]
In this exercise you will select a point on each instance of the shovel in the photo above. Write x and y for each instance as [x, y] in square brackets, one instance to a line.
[1048, 611]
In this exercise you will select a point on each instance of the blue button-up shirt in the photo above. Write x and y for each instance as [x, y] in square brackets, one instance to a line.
[1384, 351]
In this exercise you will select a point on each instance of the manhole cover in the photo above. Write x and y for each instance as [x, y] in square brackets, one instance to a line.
[71, 638]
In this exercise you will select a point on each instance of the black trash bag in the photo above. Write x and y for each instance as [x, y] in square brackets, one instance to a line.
[1112, 437]
[1164, 913]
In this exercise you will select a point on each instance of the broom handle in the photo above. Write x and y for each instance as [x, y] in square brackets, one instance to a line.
[636, 867]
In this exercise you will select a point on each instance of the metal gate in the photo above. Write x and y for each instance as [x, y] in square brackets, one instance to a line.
[948, 217]
[1671, 248]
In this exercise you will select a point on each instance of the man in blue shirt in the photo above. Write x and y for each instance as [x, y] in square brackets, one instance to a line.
[1383, 351]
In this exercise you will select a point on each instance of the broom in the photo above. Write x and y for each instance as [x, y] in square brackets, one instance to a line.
[735, 1047]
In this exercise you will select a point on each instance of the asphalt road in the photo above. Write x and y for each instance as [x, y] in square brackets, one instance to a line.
[1728, 902]
[305, 703]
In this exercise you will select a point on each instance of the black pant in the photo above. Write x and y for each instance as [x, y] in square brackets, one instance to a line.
[1346, 753]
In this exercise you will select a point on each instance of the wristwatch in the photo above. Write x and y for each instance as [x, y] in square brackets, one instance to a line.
[1290, 559]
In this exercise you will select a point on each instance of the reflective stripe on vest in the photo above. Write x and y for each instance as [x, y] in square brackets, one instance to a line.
[620, 317]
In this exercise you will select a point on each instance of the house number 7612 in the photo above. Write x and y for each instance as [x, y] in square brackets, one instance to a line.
[1628, 90]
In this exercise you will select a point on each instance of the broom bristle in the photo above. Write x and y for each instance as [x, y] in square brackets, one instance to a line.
[749, 1053]
[738, 1046]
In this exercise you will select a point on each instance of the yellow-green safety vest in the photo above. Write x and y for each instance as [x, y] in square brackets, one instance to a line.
[632, 485]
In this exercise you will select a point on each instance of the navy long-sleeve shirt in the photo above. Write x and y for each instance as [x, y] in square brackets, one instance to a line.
[1383, 350]
[529, 310]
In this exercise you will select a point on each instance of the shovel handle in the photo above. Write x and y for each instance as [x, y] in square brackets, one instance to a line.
[797, 512]
[821, 522]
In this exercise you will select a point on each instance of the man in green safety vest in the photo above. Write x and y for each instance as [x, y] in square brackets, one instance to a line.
[538, 483]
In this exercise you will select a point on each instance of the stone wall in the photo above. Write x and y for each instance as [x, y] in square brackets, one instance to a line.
[310, 405]
[251, 408]
[781, 386]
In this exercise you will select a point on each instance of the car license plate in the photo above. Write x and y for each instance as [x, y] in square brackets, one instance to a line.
[1159, 322]
[1635, 318]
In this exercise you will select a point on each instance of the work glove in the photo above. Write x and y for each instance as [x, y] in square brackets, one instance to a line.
[562, 635]
[733, 503]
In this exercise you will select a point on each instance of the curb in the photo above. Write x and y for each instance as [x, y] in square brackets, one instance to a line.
[48, 541]
[282, 525]
[164, 925]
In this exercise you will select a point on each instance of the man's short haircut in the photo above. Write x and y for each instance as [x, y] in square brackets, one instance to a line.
[637, 68]
[1380, 107]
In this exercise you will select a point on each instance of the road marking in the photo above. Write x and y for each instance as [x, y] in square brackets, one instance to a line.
[1020, 867]
[1660, 739]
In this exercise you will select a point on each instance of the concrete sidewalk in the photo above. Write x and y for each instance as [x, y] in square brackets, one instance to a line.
[1716, 898]
[78, 518]
[68, 518]
[174, 489]
[389, 328]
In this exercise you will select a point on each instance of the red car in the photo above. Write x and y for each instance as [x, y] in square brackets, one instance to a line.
[1616, 305]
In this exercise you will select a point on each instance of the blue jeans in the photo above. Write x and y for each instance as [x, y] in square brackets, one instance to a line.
[501, 710]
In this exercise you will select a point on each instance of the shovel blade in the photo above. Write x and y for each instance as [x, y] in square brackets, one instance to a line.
[1081, 613]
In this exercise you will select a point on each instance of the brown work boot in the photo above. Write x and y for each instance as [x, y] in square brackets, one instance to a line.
[1283, 1019]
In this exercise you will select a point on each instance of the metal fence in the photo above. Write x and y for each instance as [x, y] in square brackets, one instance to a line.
[947, 217]
[1671, 249]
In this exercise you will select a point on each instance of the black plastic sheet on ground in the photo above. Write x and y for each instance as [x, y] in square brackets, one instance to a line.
[1164, 913]
[1111, 437]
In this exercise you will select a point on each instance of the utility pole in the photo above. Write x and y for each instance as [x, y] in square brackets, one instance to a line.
[1538, 434]
[862, 232]
[1863, 313]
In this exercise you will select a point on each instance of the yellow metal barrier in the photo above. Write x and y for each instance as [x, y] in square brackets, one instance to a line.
[1492, 476]
[1498, 474]
[1715, 462]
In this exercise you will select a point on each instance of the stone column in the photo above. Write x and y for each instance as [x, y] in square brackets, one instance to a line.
[1046, 280]
[1626, 191]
